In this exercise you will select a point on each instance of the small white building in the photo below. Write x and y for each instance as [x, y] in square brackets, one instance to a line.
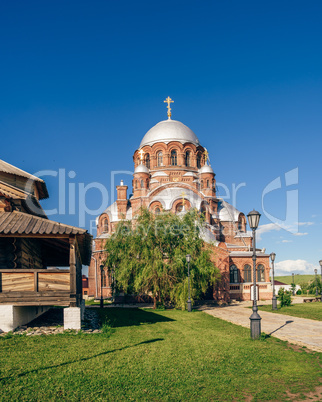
[279, 285]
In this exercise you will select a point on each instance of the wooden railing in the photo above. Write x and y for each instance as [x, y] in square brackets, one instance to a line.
[34, 280]
[35, 286]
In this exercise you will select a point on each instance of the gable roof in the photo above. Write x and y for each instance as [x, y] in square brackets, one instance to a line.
[6, 167]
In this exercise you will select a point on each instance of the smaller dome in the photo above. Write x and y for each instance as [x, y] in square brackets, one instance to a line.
[206, 169]
[141, 169]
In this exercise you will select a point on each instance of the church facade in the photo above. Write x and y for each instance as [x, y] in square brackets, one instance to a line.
[172, 173]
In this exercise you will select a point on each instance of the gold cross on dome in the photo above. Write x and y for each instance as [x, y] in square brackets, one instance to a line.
[141, 153]
[183, 194]
[206, 153]
[169, 101]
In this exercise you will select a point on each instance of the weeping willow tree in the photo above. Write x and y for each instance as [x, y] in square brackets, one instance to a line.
[149, 257]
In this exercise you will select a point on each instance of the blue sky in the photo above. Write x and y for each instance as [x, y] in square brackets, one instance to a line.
[81, 83]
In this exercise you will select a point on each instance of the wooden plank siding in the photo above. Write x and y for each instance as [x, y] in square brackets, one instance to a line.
[53, 281]
[17, 282]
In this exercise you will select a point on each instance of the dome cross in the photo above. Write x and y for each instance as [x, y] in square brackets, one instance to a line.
[141, 153]
[169, 101]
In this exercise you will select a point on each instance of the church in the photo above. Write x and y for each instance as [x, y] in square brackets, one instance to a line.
[172, 173]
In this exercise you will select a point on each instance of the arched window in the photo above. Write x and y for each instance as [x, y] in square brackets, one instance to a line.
[240, 225]
[188, 159]
[233, 274]
[157, 211]
[260, 273]
[179, 207]
[198, 161]
[147, 161]
[105, 226]
[142, 184]
[201, 186]
[247, 273]
[174, 158]
[104, 279]
[160, 158]
[136, 184]
[207, 183]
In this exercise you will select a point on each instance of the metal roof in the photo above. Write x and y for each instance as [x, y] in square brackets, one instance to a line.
[167, 131]
[227, 212]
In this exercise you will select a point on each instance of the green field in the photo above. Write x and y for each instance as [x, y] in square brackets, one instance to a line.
[297, 279]
[312, 311]
[156, 356]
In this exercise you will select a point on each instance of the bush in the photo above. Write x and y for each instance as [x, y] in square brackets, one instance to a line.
[299, 292]
[284, 297]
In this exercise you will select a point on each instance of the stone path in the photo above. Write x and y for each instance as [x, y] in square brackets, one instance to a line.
[300, 331]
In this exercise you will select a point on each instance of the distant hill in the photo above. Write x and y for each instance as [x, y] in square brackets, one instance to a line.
[297, 279]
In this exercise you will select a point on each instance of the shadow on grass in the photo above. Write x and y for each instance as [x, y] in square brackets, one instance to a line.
[126, 317]
[79, 360]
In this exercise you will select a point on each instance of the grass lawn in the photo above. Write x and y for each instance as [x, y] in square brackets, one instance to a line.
[297, 278]
[302, 310]
[155, 356]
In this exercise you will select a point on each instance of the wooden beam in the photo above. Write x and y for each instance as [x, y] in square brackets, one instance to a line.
[26, 294]
[72, 265]
[38, 303]
[29, 270]
[36, 236]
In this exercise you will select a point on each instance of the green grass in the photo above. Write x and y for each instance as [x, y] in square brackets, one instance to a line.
[297, 279]
[96, 303]
[155, 356]
[312, 311]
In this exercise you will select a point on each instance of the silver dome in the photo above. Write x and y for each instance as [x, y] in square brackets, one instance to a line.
[141, 169]
[167, 131]
[206, 169]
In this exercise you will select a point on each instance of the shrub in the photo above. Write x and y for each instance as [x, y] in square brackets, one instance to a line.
[299, 292]
[284, 297]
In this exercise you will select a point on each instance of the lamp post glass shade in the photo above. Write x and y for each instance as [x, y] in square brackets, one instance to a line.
[273, 255]
[253, 219]
[188, 257]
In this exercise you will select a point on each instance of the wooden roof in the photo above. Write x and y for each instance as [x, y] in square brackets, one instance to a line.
[20, 224]
[13, 170]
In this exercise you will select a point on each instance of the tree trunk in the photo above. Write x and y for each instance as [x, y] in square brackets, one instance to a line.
[154, 302]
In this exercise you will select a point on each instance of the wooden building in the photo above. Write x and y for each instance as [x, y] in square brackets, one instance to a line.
[40, 260]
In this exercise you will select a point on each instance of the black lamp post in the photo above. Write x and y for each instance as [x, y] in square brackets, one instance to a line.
[101, 299]
[113, 283]
[293, 290]
[255, 319]
[316, 282]
[188, 258]
[320, 262]
[274, 300]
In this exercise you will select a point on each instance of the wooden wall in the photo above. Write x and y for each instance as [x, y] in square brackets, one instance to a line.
[20, 253]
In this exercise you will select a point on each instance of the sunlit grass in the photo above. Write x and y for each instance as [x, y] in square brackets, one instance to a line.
[155, 356]
[312, 311]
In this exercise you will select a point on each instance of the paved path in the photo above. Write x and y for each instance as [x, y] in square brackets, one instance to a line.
[300, 331]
